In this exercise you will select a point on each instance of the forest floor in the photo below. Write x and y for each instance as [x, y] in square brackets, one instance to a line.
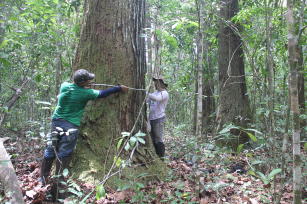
[197, 174]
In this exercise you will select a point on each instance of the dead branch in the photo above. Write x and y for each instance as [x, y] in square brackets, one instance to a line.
[11, 102]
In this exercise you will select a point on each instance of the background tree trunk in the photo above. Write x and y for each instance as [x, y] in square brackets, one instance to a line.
[269, 67]
[293, 84]
[112, 47]
[208, 80]
[233, 101]
[149, 34]
[200, 41]
[155, 41]
[301, 71]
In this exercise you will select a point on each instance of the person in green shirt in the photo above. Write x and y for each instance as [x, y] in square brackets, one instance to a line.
[66, 119]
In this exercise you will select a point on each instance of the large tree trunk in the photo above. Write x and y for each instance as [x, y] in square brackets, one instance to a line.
[112, 47]
[233, 101]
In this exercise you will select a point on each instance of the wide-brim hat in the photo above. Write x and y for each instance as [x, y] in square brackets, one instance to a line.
[160, 78]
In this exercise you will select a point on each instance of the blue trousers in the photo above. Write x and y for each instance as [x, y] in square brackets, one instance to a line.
[66, 144]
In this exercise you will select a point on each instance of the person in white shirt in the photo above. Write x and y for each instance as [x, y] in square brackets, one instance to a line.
[157, 104]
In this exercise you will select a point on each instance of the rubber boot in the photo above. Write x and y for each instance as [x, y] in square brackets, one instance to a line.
[57, 184]
[45, 170]
[160, 149]
[156, 148]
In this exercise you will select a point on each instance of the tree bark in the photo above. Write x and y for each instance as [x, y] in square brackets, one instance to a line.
[155, 42]
[293, 62]
[8, 176]
[301, 71]
[269, 67]
[208, 84]
[112, 47]
[149, 54]
[233, 101]
[200, 51]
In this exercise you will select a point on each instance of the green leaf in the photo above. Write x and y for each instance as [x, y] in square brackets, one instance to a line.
[119, 143]
[77, 193]
[125, 134]
[132, 141]
[65, 172]
[127, 147]
[86, 197]
[118, 161]
[256, 162]
[38, 78]
[100, 192]
[305, 146]
[228, 128]
[5, 62]
[273, 173]
[140, 134]
[4, 43]
[253, 137]
[251, 172]
[75, 186]
[239, 148]
[141, 140]
[263, 178]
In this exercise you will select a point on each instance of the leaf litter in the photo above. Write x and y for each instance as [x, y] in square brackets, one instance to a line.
[196, 176]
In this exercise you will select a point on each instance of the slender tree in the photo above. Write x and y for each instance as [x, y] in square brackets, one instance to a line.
[269, 65]
[301, 80]
[112, 46]
[200, 51]
[208, 79]
[293, 63]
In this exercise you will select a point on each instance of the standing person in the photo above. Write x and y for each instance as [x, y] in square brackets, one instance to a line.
[157, 104]
[67, 116]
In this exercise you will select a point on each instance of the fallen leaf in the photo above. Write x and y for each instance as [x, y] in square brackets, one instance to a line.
[204, 200]
[31, 194]
[253, 201]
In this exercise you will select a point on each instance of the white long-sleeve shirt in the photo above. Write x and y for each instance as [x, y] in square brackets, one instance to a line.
[157, 104]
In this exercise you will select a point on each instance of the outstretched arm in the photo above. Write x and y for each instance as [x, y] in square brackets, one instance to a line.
[107, 92]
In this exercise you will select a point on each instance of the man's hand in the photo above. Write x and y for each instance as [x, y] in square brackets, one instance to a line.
[124, 88]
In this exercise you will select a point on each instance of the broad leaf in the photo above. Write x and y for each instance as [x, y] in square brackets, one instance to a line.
[239, 148]
[125, 134]
[273, 173]
[141, 140]
[253, 137]
[100, 192]
[127, 147]
[140, 134]
[119, 143]
[65, 172]
[132, 141]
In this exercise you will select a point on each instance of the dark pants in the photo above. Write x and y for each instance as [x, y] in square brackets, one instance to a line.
[65, 144]
[157, 130]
